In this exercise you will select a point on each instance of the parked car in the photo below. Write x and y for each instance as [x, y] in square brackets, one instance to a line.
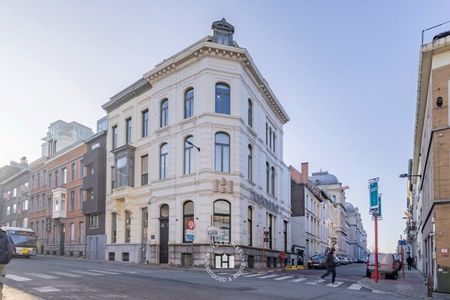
[343, 259]
[350, 260]
[387, 265]
[338, 262]
[360, 260]
[318, 261]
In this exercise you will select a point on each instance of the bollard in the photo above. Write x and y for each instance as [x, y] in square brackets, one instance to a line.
[429, 287]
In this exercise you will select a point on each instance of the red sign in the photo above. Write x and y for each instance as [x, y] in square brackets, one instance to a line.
[444, 252]
[191, 224]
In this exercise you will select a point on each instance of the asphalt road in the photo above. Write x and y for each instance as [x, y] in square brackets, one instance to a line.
[51, 277]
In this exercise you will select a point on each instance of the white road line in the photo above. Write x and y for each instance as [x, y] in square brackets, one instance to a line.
[46, 289]
[335, 284]
[355, 287]
[65, 274]
[378, 292]
[254, 275]
[17, 278]
[298, 279]
[316, 281]
[88, 273]
[105, 272]
[268, 276]
[283, 277]
[40, 275]
[120, 271]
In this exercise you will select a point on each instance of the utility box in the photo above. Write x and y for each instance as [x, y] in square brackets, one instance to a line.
[443, 280]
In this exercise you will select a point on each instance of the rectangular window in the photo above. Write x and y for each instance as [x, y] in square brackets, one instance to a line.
[285, 236]
[129, 128]
[15, 192]
[81, 198]
[56, 178]
[145, 123]
[38, 202]
[25, 205]
[49, 183]
[49, 205]
[8, 212]
[38, 179]
[145, 225]
[32, 182]
[122, 171]
[72, 172]
[113, 228]
[81, 170]
[14, 208]
[127, 226]
[113, 178]
[72, 231]
[114, 137]
[144, 170]
[64, 175]
[81, 233]
[93, 221]
[72, 200]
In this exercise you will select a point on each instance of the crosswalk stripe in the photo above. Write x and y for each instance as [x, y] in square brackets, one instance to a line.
[65, 274]
[40, 275]
[298, 279]
[254, 275]
[316, 281]
[355, 287]
[378, 292]
[283, 277]
[335, 284]
[46, 289]
[105, 272]
[17, 278]
[88, 273]
[268, 276]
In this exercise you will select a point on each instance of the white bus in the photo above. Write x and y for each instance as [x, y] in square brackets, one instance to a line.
[24, 240]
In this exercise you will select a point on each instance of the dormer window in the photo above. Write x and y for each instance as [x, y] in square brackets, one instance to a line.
[223, 32]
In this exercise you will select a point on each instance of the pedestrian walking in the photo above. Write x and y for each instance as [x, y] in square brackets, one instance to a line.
[331, 266]
[409, 260]
[7, 250]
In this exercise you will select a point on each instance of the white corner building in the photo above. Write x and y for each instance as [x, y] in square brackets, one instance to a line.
[197, 144]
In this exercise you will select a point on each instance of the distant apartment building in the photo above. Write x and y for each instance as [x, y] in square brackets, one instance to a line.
[14, 194]
[429, 209]
[312, 211]
[94, 187]
[55, 190]
[197, 143]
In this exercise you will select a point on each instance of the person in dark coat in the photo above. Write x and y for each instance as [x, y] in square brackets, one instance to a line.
[331, 266]
[409, 260]
[7, 250]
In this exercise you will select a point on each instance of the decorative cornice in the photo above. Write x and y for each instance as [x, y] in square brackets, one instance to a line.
[130, 92]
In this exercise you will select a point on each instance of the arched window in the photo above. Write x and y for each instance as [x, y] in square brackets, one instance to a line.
[267, 178]
[188, 218]
[163, 163]
[250, 113]
[250, 225]
[189, 103]
[222, 219]
[188, 155]
[164, 118]
[250, 163]
[273, 181]
[164, 211]
[222, 152]
[222, 98]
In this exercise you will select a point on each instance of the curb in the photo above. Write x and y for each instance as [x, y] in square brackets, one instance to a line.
[375, 291]
[11, 293]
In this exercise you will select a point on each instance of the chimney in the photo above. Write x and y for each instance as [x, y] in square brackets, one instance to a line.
[305, 172]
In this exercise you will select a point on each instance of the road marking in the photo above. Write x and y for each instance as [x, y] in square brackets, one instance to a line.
[88, 273]
[335, 284]
[355, 287]
[283, 277]
[120, 271]
[316, 281]
[105, 272]
[40, 275]
[378, 292]
[46, 289]
[65, 274]
[268, 276]
[254, 275]
[17, 278]
[298, 279]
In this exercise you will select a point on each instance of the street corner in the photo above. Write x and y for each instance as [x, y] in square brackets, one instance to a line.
[10, 293]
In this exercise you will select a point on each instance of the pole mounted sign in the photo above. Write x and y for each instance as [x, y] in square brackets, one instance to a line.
[373, 188]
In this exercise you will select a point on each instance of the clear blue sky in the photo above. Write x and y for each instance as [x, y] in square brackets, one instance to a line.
[345, 71]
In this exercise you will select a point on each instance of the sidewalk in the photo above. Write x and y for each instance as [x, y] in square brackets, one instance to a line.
[412, 286]
[10, 293]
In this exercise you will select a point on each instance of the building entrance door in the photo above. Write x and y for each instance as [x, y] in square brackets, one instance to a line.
[62, 239]
[164, 235]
